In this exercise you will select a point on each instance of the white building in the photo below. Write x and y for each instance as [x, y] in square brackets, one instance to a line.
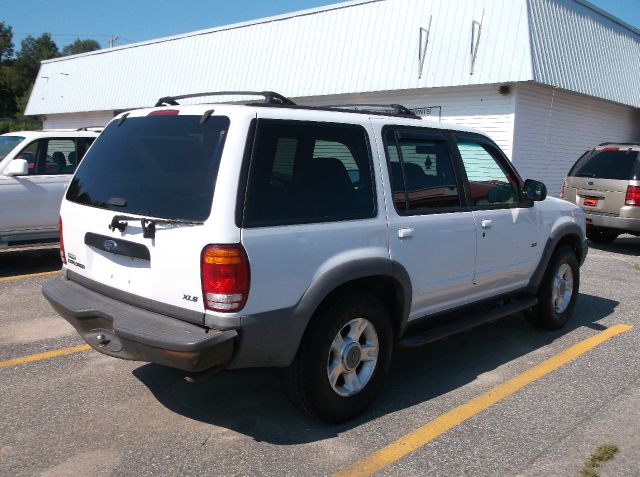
[546, 79]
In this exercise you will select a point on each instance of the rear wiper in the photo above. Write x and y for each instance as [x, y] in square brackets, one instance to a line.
[585, 174]
[120, 222]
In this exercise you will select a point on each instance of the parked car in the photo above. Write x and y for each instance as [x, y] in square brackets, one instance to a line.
[311, 239]
[35, 168]
[605, 182]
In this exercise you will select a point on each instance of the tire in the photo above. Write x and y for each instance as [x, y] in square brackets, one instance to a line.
[555, 301]
[601, 235]
[308, 379]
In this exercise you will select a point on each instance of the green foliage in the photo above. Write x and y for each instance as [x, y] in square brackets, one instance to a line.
[6, 42]
[602, 454]
[18, 72]
[32, 52]
[80, 46]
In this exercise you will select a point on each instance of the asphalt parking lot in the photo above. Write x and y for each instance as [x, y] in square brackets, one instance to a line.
[504, 399]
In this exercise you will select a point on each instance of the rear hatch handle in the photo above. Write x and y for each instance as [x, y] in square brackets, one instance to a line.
[120, 222]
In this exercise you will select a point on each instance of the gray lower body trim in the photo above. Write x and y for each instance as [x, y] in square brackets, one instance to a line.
[124, 331]
[183, 314]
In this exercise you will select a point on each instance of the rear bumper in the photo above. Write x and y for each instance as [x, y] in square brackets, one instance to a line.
[623, 224]
[128, 332]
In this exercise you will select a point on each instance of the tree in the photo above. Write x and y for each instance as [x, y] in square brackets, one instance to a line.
[80, 46]
[32, 52]
[6, 42]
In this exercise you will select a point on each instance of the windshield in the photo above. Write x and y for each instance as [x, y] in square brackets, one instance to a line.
[607, 164]
[158, 166]
[7, 143]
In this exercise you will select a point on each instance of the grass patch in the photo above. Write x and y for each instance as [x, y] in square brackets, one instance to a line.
[602, 454]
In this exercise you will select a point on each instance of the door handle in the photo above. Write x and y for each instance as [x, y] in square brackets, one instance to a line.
[405, 232]
[486, 223]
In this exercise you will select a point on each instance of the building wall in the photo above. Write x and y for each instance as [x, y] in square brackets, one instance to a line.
[346, 48]
[478, 107]
[554, 127]
[77, 120]
[576, 47]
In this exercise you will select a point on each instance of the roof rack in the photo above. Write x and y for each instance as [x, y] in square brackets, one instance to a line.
[620, 144]
[91, 128]
[395, 109]
[269, 97]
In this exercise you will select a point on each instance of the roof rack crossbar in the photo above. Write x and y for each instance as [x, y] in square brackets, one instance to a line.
[270, 97]
[397, 109]
[619, 144]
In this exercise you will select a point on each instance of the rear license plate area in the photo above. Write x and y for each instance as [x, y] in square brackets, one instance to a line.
[591, 201]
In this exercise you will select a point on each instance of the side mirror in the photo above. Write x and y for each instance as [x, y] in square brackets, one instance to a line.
[17, 167]
[534, 190]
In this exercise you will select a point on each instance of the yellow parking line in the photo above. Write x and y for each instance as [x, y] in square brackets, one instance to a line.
[423, 435]
[30, 275]
[46, 355]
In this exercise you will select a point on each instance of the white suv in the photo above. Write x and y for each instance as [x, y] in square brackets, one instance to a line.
[35, 168]
[312, 239]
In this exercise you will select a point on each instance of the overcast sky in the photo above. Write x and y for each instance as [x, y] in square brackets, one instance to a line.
[139, 20]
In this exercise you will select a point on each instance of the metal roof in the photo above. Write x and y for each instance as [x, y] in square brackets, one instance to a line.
[351, 47]
[577, 48]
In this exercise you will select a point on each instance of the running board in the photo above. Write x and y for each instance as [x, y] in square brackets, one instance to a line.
[464, 324]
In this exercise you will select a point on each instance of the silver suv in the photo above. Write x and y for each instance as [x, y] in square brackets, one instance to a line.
[35, 168]
[605, 182]
[311, 239]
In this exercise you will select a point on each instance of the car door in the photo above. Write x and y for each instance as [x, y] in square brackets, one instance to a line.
[431, 234]
[30, 204]
[508, 226]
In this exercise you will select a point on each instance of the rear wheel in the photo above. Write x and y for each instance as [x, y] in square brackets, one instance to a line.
[343, 358]
[558, 292]
[601, 235]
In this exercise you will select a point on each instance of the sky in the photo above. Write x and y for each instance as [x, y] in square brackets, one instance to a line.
[139, 20]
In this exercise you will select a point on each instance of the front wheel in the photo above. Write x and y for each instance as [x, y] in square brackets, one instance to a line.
[558, 291]
[343, 358]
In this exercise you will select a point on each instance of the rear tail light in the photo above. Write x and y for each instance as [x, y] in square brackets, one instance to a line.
[63, 256]
[633, 195]
[225, 277]
[563, 189]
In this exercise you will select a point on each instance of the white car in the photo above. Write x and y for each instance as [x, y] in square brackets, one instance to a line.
[35, 168]
[307, 238]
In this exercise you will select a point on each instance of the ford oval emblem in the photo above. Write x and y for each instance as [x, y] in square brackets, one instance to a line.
[110, 245]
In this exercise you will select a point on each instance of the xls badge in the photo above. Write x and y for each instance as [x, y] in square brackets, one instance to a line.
[71, 258]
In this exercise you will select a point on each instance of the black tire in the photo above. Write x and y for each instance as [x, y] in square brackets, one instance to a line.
[307, 380]
[601, 235]
[544, 314]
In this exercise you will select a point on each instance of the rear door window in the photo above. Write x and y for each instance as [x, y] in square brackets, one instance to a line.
[59, 157]
[159, 166]
[608, 164]
[308, 172]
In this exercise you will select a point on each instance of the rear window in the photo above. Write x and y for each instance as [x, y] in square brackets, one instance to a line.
[7, 143]
[160, 166]
[607, 164]
[308, 172]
